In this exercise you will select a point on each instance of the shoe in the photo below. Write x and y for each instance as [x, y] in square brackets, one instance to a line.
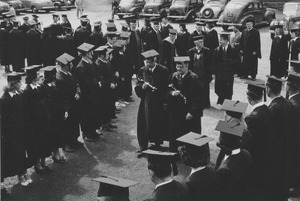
[68, 148]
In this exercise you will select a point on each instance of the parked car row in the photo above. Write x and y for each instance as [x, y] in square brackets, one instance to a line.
[226, 12]
[35, 5]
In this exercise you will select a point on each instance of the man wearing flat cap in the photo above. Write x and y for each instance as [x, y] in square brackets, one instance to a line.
[250, 49]
[16, 47]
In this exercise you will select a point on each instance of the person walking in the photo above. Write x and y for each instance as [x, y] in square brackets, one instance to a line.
[79, 8]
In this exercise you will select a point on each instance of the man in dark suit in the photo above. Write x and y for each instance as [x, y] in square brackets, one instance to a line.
[234, 172]
[25, 25]
[4, 56]
[134, 47]
[279, 53]
[200, 64]
[185, 102]
[82, 33]
[295, 47]
[153, 38]
[16, 47]
[250, 49]
[199, 31]
[224, 66]
[165, 27]
[293, 89]
[168, 51]
[68, 86]
[281, 122]
[151, 87]
[85, 74]
[259, 126]
[182, 41]
[195, 154]
[160, 168]
[33, 45]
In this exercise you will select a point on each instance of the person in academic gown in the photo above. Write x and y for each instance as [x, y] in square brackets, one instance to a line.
[16, 47]
[200, 64]
[65, 23]
[33, 45]
[281, 123]
[294, 47]
[250, 49]
[165, 26]
[182, 41]
[168, 51]
[144, 32]
[151, 88]
[49, 47]
[67, 44]
[185, 102]
[97, 38]
[134, 47]
[224, 65]
[4, 56]
[82, 33]
[211, 40]
[198, 32]
[279, 53]
[154, 39]
[25, 25]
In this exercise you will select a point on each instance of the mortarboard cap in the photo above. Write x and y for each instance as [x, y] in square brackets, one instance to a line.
[293, 79]
[31, 71]
[133, 21]
[65, 58]
[173, 31]
[225, 35]
[64, 15]
[199, 23]
[25, 18]
[49, 73]
[35, 16]
[155, 20]
[125, 34]
[198, 38]
[256, 88]
[163, 159]
[14, 76]
[234, 108]
[295, 28]
[250, 19]
[194, 139]
[274, 82]
[230, 128]
[16, 23]
[119, 43]
[32, 23]
[110, 20]
[114, 187]
[110, 25]
[55, 15]
[98, 23]
[182, 59]
[101, 49]
[85, 47]
[150, 54]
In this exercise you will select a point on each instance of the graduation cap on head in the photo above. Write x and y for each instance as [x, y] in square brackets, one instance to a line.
[35, 16]
[250, 19]
[114, 187]
[134, 21]
[119, 43]
[14, 76]
[150, 54]
[65, 59]
[25, 18]
[234, 108]
[172, 31]
[31, 71]
[199, 23]
[198, 38]
[163, 160]
[155, 20]
[16, 23]
[85, 47]
[274, 82]
[182, 59]
[49, 73]
[102, 49]
[125, 34]
[110, 25]
[110, 20]
[32, 23]
[295, 28]
[256, 88]
[293, 79]
[194, 139]
[55, 15]
[225, 35]
[97, 24]
[64, 15]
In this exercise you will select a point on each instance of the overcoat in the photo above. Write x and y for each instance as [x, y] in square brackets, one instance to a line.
[16, 49]
[278, 56]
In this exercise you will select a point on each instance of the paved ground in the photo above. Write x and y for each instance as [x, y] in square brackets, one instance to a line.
[114, 153]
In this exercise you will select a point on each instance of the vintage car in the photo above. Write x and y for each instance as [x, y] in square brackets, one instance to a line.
[184, 9]
[291, 16]
[237, 11]
[17, 4]
[212, 9]
[37, 5]
[153, 8]
[4, 8]
[130, 8]
[63, 4]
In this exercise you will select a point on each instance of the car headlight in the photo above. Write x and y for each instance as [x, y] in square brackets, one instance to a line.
[207, 12]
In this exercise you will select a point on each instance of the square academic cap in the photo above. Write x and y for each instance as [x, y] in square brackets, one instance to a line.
[32, 70]
[65, 58]
[172, 31]
[257, 88]
[85, 47]
[274, 82]
[194, 139]
[14, 76]
[120, 43]
[293, 79]
[234, 106]
[150, 54]
[101, 49]
[181, 59]
[197, 38]
[125, 34]
[110, 25]
[114, 187]
[230, 128]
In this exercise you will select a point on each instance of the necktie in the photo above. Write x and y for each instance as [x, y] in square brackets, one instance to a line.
[224, 54]
[137, 38]
[159, 38]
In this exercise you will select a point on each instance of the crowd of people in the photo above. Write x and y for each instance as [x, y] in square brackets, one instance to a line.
[78, 80]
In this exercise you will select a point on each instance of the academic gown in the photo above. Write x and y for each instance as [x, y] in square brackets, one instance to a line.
[233, 176]
[13, 122]
[173, 191]
[168, 54]
[67, 45]
[81, 35]
[16, 49]
[200, 64]
[182, 43]
[279, 56]
[33, 47]
[190, 87]
[154, 41]
[224, 69]
[202, 184]
[165, 31]
[193, 34]
[4, 56]
[97, 39]
[24, 28]
[49, 50]
[211, 40]
[151, 121]
[294, 51]
[250, 42]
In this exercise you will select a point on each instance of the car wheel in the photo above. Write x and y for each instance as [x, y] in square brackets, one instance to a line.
[34, 9]
[208, 13]
[120, 16]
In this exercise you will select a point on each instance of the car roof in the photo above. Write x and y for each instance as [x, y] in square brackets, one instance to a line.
[292, 2]
[248, 1]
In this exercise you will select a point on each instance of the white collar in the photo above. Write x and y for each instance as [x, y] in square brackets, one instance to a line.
[13, 93]
[163, 183]
[293, 95]
[184, 74]
[197, 169]
[34, 86]
[152, 69]
[273, 99]
[86, 60]
[233, 152]
[226, 47]
[104, 61]
[257, 105]
[250, 29]
[294, 39]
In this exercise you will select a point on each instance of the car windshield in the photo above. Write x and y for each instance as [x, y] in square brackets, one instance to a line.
[182, 2]
[290, 9]
[126, 2]
[215, 2]
[234, 5]
[155, 1]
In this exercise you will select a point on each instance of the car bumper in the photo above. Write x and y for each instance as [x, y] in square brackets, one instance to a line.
[150, 15]
[47, 8]
[177, 17]
[21, 9]
[67, 7]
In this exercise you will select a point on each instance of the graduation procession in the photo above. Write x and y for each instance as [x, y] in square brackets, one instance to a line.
[97, 108]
